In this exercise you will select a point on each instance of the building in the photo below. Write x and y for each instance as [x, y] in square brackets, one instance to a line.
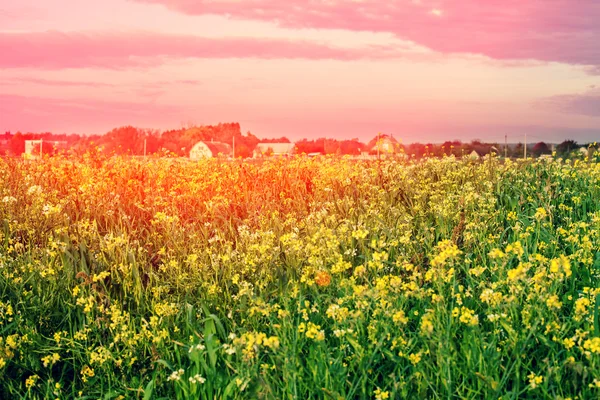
[383, 144]
[33, 147]
[209, 150]
[474, 155]
[273, 149]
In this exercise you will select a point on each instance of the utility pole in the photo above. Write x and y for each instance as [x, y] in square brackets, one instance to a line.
[505, 146]
[145, 147]
[525, 147]
[234, 147]
[41, 148]
[378, 143]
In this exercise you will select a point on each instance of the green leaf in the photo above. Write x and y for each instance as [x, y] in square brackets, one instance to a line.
[111, 395]
[597, 316]
[229, 389]
[148, 390]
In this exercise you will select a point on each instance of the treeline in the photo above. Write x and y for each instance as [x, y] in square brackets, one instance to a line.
[129, 140]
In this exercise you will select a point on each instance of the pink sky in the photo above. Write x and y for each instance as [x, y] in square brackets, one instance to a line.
[423, 70]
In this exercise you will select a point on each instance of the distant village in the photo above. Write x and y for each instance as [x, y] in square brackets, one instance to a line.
[227, 141]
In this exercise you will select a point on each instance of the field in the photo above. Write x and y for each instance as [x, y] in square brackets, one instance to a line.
[302, 278]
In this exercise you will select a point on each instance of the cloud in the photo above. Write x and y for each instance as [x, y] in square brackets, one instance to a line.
[593, 70]
[587, 103]
[55, 82]
[546, 30]
[54, 50]
[95, 84]
[40, 114]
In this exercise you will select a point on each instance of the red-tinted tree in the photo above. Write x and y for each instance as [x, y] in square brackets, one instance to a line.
[541, 148]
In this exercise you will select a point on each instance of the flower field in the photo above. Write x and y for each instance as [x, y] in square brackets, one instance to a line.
[299, 278]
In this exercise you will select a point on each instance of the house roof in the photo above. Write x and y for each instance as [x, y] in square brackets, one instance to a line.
[383, 138]
[277, 148]
[216, 147]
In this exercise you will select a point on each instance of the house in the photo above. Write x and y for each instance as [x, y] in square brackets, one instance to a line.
[273, 149]
[474, 155]
[383, 144]
[209, 150]
[33, 147]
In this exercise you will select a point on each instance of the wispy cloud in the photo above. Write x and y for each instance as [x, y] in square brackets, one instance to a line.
[587, 103]
[55, 82]
[593, 70]
[556, 30]
[81, 115]
[55, 49]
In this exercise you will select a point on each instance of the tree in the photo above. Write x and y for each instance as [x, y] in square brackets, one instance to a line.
[352, 147]
[540, 148]
[454, 147]
[518, 150]
[282, 139]
[331, 146]
[566, 147]
[417, 150]
[17, 144]
[310, 146]
[243, 151]
[124, 140]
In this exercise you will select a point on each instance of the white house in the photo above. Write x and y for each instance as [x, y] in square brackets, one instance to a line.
[209, 150]
[274, 149]
[383, 143]
[33, 147]
[474, 155]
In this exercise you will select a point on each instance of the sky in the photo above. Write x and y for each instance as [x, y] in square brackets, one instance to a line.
[421, 70]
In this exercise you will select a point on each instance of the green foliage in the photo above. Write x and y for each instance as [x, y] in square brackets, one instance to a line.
[299, 278]
[566, 147]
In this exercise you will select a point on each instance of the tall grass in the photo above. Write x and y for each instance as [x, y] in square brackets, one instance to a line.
[300, 278]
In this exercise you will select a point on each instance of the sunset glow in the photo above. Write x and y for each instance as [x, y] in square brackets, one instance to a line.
[299, 199]
[421, 70]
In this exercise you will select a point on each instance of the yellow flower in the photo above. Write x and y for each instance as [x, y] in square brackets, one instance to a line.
[496, 254]
[426, 324]
[314, 332]
[31, 381]
[415, 358]
[468, 317]
[561, 266]
[581, 308]
[568, 343]
[535, 380]
[400, 318]
[540, 214]
[515, 248]
[86, 373]
[381, 395]
[490, 297]
[271, 342]
[101, 276]
[51, 359]
[592, 345]
[337, 313]
[553, 302]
